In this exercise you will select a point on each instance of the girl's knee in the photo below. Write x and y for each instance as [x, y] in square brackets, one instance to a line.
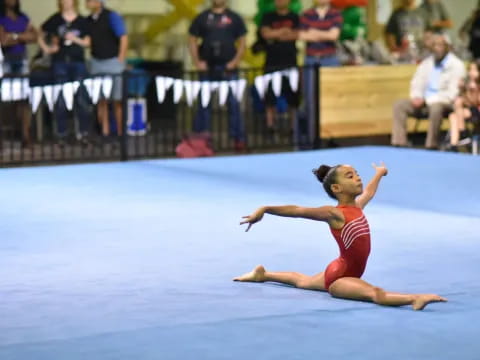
[377, 295]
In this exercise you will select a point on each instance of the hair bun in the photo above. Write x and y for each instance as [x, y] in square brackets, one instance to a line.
[321, 172]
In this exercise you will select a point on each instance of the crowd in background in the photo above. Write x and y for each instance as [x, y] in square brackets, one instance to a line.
[217, 45]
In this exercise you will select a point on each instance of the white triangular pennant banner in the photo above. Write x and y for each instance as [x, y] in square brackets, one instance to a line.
[168, 83]
[177, 90]
[206, 94]
[76, 86]
[17, 85]
[161, 90]
[241, 86]
[107, 86]
[36, 94]
[224, 89]
[6, 90]
[196, 87]
[96, 89]
[48, 92]
[294, 78]
[68, 94]
[261, 84]
[188, 85]
[277, 83]
[25, 89]
[88, 83]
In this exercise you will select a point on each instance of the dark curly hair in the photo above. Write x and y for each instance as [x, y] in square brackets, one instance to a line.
[327, 175]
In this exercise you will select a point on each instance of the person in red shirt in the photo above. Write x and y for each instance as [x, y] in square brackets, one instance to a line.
[350, 229]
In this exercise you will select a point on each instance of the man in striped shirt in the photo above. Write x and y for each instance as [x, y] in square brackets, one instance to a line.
[320, 27]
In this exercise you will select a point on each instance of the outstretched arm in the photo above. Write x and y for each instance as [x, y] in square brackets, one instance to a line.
[372, 186]
[325, 213]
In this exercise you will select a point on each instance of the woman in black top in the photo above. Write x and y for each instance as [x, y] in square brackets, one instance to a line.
[68, 36]
[471, 28]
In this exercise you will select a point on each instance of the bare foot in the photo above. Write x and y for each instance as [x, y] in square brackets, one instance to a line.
[256, 275]
[423, 300]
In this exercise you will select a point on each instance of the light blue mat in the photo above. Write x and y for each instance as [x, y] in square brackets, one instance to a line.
[134, 260]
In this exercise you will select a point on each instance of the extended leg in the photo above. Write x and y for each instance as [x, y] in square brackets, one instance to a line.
[357, 289]
[301, 281]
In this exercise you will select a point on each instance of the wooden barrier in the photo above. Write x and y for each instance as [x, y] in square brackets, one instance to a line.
[358, 100]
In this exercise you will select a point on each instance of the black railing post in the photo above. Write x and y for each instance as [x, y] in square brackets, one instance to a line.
[317, 140]
[124, 137]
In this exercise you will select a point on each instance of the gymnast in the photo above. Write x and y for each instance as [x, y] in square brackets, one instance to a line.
[350, 229]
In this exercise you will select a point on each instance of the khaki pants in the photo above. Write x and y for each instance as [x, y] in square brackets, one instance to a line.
[404, 108]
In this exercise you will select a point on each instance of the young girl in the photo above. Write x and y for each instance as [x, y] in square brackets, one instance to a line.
[350, 229]
[466, 106]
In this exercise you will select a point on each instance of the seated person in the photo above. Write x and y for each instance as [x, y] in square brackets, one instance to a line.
[434, 88]
[466, 107]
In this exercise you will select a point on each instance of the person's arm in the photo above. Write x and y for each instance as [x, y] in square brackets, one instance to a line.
[46, 48]
[86, 41]
[313, 35]
[445, 22]
[371, 188]
[28, 36]
[193, 48]
[122, 54]
[325, 213]
[241, 47]
[271, 34]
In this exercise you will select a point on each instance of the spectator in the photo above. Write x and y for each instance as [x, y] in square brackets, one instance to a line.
[67, 32]
[320, 27]
[109, 45]
[433, 89]
[15, 32]
[405, 31]
[471, 28]
[222, 35]
[280, 31]
[435, 15]
[466, 107]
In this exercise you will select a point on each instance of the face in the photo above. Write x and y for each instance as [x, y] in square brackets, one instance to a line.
[473, 72]
[321, 2]
[408, 4]
[93, 5]
[11, 3]
[282, 4]
[348, 181]
[440, 47]
[219, 3]
[67, 4]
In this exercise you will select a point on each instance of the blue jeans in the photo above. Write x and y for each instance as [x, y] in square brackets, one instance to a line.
[309, 93]
[66, 72]
[202, 121]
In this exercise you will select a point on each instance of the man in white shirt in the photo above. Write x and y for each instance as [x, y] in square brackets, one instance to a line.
[434, 87]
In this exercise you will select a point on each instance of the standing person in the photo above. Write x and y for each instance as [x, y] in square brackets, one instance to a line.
[320, 27]
[471, 30]
[433, 90]
[68, 36]
[109, 45]
[435, 15]
[280, 31]
[16, 31]
[222, 35]
[350, 228]
[404, 32]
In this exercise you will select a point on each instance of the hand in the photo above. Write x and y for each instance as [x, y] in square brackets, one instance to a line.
[418, 102]
[252, 219]
[380, 169]
[70, 36]
[232, 65]
[52, 49]
[201, 65]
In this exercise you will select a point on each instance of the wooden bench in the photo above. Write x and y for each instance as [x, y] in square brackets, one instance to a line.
[357, 101]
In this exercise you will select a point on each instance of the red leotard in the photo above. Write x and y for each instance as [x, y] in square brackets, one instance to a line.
[353, 239]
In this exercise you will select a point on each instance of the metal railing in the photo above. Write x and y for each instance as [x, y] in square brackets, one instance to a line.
[155, 119]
